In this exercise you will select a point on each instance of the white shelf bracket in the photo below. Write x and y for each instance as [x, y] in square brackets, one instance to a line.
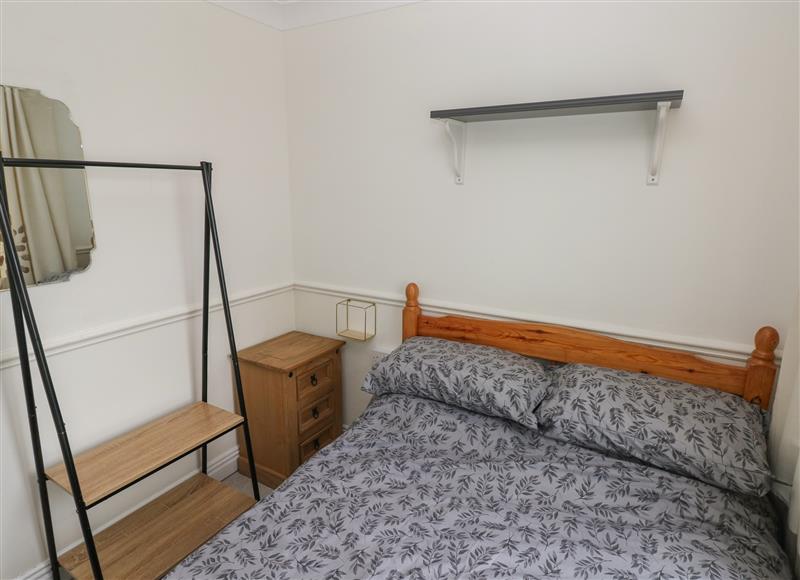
[658, 143]
[457, 131]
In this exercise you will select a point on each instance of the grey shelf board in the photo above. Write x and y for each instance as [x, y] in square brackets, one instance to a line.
[585, 106]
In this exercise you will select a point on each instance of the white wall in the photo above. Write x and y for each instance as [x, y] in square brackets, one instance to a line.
[554, 218]
[554, 221]
[173, 83]
[784, 436]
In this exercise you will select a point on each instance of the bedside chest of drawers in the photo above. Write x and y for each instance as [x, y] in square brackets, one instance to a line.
[293, 392]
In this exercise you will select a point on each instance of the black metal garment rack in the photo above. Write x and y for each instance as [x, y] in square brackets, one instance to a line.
[24, 319]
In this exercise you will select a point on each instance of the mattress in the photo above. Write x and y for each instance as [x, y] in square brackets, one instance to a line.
[421, 489]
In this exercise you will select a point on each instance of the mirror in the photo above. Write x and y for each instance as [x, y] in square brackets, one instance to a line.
[49, 207]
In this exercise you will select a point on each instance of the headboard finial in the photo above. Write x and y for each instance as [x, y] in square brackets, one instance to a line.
[412, 294]
[761, 368]
[411, 312]
[766, 340]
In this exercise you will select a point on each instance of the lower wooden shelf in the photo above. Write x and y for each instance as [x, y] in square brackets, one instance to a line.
[153, 539]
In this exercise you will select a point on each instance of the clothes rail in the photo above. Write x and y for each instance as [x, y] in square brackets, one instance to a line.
[24, 320]
[80, 164]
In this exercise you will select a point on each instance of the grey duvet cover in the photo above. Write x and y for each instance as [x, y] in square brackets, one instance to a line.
[421, 489]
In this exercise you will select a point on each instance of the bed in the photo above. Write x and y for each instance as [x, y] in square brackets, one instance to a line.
[421, 488]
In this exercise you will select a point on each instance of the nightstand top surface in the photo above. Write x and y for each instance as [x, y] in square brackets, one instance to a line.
[289, 351]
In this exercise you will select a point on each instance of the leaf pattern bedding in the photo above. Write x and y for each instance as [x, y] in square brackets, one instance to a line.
[488, 380]
[421, 489]
[712, 436]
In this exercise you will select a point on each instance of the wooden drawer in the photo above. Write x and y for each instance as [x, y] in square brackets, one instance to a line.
[316, 442]
[312, 416]
[316, 380]
[293, 390]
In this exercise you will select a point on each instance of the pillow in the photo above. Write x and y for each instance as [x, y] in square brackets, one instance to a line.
[706, 434]
[477, 378]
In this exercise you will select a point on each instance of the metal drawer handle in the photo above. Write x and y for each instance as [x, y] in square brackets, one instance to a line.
[315, 413]
[316, 444]
[314, 380]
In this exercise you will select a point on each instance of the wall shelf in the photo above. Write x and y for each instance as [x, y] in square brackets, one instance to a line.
[662, 101]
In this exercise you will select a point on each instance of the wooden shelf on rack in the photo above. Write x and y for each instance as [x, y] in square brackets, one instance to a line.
[155, 538]
[114, 465]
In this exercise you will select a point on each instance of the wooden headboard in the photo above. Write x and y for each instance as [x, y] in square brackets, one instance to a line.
[754, 381]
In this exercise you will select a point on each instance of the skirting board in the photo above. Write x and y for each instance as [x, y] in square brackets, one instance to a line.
[219, 468]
